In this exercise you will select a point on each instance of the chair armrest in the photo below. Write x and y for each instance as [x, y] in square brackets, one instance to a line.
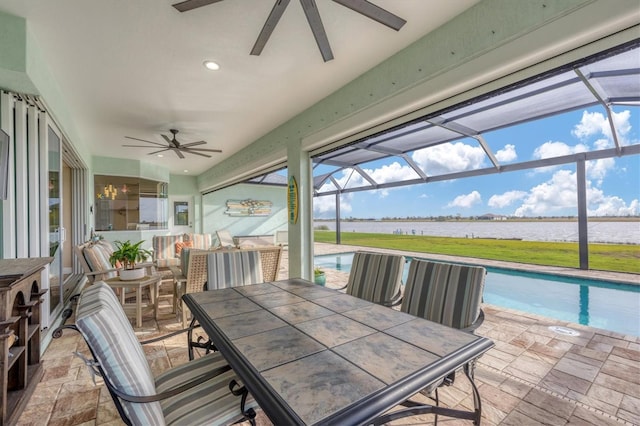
[106, 271]
[476, 324]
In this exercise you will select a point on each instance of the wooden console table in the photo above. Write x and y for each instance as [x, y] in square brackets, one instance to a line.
[20, 299]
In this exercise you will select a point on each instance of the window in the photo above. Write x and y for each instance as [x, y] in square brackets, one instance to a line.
[126, 203]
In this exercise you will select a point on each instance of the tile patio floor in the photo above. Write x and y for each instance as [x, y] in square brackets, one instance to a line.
[533, 376]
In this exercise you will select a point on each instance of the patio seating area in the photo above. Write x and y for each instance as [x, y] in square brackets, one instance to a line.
[532, 376]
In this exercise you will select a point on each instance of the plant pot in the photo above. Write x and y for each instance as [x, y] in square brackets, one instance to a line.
[320, 279]
[132, 274]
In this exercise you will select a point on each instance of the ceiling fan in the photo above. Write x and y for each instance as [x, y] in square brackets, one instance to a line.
[363, 7]
[175, 146]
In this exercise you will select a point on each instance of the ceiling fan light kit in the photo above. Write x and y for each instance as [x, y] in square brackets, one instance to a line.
[310, 9]
[173, 145]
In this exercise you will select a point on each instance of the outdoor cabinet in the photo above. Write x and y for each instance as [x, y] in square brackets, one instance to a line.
[20, 301]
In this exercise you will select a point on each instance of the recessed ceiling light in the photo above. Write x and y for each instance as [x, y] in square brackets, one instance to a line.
[210, 65]
[160, 155]
[186, 171]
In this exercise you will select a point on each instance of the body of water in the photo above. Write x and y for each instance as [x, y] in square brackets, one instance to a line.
[595, 303]
[599, 232]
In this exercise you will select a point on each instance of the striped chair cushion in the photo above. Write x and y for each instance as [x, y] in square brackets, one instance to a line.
[446, 293]
[375, 277]
[105, 327]
[199, 241]
[208, 403]
[97, 257]
[164, 250]
[233, 268]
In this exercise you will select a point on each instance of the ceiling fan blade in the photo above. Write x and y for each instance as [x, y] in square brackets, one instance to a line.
[196, 153]
[269, 25]
[202, 149]
[166, 138]
[187, 5]
[141, 146]
[177, 151]
[142, 140]
[313, 16]
[184, 145]
[158, 152]
[374, 12]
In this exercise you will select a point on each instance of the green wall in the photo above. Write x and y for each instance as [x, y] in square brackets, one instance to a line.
[214, 207]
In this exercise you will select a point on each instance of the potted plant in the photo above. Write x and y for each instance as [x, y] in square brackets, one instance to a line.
[126, 255]
[319, 276]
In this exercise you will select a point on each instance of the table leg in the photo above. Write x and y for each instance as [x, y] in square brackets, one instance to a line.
[155, 297]
[139, 306]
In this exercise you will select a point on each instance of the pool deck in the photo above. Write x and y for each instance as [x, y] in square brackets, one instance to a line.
[533, 376]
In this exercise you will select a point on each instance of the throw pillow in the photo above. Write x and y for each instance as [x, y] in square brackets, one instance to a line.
[182, 244]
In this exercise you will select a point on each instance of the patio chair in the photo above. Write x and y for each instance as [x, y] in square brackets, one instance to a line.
[225, 240]
[376, 277]
[232, 268]
[204, 391]
[445, 293]
[449, 294]
[191, 278]
[227, 268]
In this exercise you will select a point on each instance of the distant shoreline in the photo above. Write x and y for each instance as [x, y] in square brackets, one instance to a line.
[531, 219]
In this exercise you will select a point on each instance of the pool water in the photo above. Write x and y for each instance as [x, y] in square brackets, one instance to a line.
[607, 305]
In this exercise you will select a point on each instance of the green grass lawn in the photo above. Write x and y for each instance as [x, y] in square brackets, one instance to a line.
[605, 257]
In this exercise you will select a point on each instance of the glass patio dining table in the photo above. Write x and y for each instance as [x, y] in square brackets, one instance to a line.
[315, 356]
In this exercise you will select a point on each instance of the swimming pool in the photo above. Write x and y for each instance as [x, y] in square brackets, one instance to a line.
[595, 303]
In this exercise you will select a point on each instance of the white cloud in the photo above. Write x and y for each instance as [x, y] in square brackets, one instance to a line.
[506, 199]
[391, 173]
[596, 124]
[466, 201]
[558, 195]
[327, 204]
[449, 157]
[556, 149]
[507, 154]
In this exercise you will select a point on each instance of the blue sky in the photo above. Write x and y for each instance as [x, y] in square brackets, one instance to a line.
[613, 185]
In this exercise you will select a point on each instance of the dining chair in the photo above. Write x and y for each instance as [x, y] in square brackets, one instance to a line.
[376, 277]
[449, 294]
[225, 269]
[204, 391]
[445, 293]
[231, 268]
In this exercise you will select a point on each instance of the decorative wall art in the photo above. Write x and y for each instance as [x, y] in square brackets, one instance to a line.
[248, 207]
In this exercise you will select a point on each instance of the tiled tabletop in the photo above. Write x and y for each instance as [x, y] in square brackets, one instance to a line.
[312, 355]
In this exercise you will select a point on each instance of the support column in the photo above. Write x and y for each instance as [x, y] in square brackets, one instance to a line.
[583, 234]
[301, 232]
[338, 239]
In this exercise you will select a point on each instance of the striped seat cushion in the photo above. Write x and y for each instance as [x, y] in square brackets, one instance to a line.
[97, 257]
[102, 322]
[375, 277]
[446, 293]
[233, 268]
[210, 403]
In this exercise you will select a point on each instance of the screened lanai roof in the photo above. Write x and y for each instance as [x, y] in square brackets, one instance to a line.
[609, 79]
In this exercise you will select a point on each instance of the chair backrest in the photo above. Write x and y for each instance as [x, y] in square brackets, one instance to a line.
[376, 277]
[270, 257]
[225, 240]
[94, 258]
[196, 272]
[232, 268]
[103, 324]
[446, 293]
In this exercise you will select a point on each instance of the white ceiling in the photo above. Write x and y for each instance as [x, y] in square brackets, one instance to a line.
[134, 68]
